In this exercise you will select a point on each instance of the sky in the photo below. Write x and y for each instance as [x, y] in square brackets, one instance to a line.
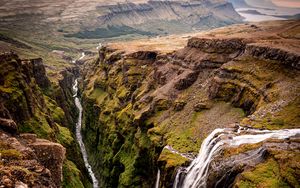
[287, 3]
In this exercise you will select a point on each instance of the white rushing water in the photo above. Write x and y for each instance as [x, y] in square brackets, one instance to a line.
[157, 179]
[79, 136]
[99, 46]
[197, 172]
[185, 155]
[80, 58]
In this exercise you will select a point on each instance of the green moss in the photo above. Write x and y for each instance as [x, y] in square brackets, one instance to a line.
[134, 71]
[37, 125]
[156, 135]
[57, 113]
[163, 104]
[98, 95]
[21, 170]
[122, 92]
[172, 159]
[127, 158]
[240, 149]
[245, 184]
[143, 139]
[125, 115]
[64, 136]
[289, 170]
[71, 175]
[113, 105]
[266, 174]
[184, 140]
[10, 154]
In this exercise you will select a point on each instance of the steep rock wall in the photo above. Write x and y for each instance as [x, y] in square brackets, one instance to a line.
[28, 105]
[144, 100]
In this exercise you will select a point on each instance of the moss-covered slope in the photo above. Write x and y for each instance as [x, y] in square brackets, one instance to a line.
[28, 104]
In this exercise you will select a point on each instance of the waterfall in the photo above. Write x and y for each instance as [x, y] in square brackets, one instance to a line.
[79, 136]
[196, 174]
[157, 179]
[99, 46]
[82, 56]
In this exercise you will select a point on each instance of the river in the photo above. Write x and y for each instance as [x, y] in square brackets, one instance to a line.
[79, 136]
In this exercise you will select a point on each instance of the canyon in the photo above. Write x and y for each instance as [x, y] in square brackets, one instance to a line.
[83, 103]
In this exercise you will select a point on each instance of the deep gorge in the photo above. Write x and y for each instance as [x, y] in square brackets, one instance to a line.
[149, 111]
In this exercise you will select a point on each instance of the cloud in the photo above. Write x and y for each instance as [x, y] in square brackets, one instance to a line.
[287, 3]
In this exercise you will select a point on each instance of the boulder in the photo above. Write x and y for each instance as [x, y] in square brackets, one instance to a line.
[8, 125]
[187, 79]
[51, 155]
[201, 106]
[179, 105]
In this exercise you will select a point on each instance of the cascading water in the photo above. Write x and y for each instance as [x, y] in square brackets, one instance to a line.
[79, 136]
[82, 56]
[157, 179]
[195, 176]
[99, 46]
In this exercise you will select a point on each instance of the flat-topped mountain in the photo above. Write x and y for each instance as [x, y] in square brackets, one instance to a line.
[98, 19]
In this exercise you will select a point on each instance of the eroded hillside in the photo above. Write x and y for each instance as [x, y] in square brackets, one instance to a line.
[37, 146]
[138, 100]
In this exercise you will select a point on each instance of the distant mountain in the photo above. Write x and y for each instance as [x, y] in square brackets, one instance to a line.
[290, 17]
[261, 3]
[160, 18]
[239, 3]
[96, 19]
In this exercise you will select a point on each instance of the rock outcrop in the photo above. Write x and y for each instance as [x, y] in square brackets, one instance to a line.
[264, 52]
[30, 161]
[21, 97]
[30, 113]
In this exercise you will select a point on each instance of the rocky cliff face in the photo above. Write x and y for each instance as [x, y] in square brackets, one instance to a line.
[132, 14]
[29, 111]
[28, 161]
[136, 103]
[159, 18]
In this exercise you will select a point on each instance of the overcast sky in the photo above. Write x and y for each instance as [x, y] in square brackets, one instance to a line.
[287, 3]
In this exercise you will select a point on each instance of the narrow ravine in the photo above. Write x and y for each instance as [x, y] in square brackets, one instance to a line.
[195, 176]
[79, 136]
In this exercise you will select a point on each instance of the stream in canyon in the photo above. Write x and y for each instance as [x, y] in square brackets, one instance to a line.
[196, 175]
[80, 58]
[79, 136]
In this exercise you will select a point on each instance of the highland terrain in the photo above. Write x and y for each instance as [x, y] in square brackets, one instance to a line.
[125, 93]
